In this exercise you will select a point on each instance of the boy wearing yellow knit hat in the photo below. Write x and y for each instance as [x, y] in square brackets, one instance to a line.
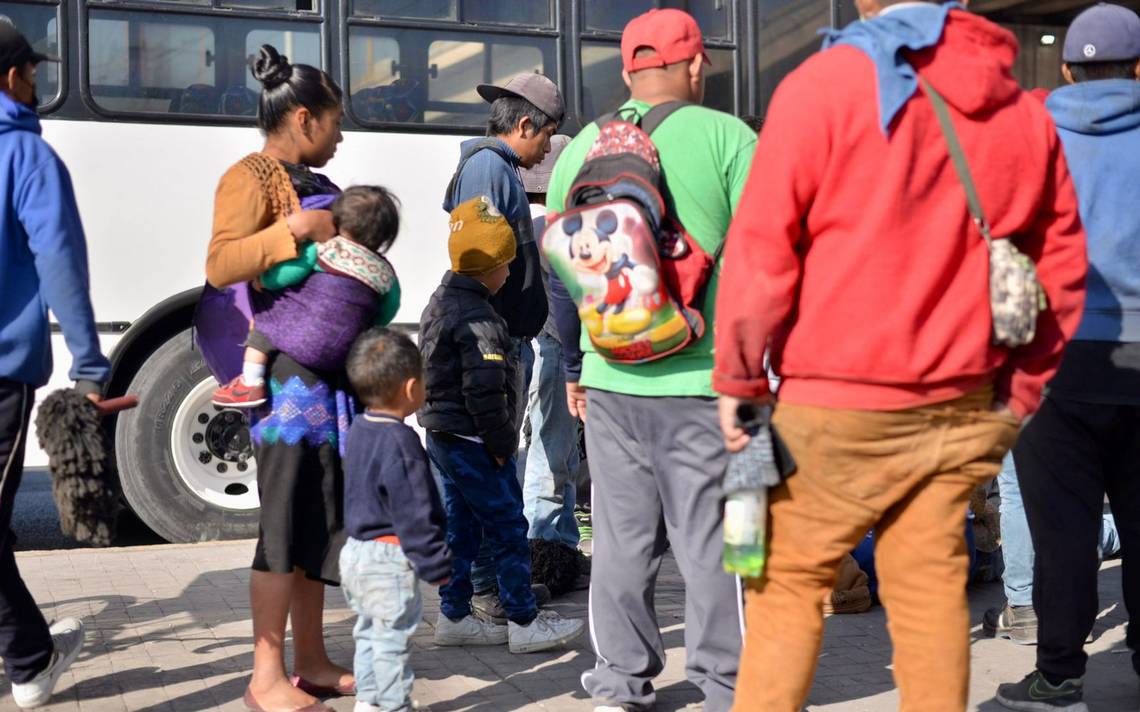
[472, 437]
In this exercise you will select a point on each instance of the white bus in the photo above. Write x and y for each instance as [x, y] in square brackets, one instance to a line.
[154, 100]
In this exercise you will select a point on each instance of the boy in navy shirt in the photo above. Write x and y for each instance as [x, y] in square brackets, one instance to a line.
[395, 521]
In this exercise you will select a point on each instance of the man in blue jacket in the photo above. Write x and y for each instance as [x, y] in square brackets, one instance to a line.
[1083, 441]
[43, 265]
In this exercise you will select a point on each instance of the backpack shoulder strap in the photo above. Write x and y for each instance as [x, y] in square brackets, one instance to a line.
[488, 143]
[657, 115]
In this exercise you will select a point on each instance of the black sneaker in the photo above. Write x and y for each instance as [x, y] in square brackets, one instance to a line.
[1036, 694]
[1015, 623]
[486, 606]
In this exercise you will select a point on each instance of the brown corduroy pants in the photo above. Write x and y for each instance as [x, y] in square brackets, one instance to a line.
[908, 475]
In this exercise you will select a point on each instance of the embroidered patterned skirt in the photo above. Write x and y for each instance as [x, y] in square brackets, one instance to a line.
[298, 437]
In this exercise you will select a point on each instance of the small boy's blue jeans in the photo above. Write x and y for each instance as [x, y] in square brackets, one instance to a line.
[382, 588]
[484, 503]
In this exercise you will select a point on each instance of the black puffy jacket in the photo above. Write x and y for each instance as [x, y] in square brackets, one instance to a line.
[470, 371]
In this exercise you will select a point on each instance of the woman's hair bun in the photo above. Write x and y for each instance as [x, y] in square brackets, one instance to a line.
[271, 68]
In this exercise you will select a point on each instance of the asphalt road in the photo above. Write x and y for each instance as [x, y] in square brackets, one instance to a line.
[36, 521]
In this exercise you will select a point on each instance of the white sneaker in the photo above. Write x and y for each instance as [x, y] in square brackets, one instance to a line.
[67, 639]
[548, 630]
[468, 631]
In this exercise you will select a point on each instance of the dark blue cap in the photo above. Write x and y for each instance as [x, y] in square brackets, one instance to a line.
[1103, 33]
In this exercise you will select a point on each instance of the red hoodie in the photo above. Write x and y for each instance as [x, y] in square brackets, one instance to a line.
[855, 254]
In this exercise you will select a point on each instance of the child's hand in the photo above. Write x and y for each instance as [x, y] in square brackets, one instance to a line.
[314, 225]
[441, 582]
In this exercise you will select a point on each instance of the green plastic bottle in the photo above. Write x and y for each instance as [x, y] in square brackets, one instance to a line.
[745, 524]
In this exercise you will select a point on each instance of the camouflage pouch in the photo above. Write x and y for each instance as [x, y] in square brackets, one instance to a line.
[1016, 296]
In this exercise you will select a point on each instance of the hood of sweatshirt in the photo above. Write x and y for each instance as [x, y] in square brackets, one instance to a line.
[972, 67]
[1097, 108]
[17, 117]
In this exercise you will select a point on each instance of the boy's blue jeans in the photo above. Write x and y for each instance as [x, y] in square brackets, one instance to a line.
[484, 504]
[1017, 547]
[381, 587]
[552, 461]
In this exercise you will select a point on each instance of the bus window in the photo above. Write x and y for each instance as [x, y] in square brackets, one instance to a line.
[154, 63]
[287, 5]
[711, 15]
[788, 36]
[40, 24]
[536, 13]
[417, 76]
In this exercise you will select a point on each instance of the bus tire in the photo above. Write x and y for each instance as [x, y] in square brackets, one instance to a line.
[186, 466]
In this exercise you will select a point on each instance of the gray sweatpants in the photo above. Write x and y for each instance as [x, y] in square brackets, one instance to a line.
[656, 465]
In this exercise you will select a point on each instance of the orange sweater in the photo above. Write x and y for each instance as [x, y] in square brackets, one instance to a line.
[250, 232]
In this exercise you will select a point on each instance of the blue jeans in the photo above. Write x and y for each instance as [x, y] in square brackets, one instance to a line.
[381, 586]
[483, 570]
[552, 461]
[484, 505]
[1017, 547]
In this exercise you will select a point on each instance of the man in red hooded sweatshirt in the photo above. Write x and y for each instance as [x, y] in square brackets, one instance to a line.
[854, 258]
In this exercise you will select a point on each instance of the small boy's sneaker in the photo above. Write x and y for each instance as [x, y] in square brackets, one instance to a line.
[67, 639]
[468, 631]
[236, 394]
[1017, 623]
[1036, 694]
[548, 630]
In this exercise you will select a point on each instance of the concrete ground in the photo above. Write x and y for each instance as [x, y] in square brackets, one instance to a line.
[169, 629]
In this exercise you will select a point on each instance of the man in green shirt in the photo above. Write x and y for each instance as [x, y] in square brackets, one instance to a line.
[655, 447]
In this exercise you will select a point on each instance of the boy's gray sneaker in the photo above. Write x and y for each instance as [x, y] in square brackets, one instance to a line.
[67, 641]
[468, 631]
[548, 630]
[1036, 694]
[1016, 623]
[486, 606]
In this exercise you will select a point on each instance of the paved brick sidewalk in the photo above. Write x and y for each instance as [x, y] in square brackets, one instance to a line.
[169, 629]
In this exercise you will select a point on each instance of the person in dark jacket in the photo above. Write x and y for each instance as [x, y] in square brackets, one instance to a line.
[43, 265]
[1082, 443]
[471, 418]
[395, 521]
[524, 114]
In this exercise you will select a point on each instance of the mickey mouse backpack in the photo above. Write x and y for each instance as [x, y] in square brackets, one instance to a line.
[637, 277]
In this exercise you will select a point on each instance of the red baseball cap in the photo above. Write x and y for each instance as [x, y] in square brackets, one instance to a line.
[673, 34]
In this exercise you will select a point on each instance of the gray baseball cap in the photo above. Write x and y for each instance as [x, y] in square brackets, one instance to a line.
[536, 179]
[1103, 33]
[535, 88]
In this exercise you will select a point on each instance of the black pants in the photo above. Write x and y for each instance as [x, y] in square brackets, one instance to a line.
[25, 643]
[1069, 456]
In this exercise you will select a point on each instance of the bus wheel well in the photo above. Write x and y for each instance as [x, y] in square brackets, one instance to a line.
[162, 323]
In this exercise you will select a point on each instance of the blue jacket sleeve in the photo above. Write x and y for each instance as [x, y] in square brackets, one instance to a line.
[420, 520]
[569, 328]
[45, 205]
[486, 174]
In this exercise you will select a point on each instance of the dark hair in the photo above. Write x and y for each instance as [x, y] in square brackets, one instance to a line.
[380, 363]
[285, 87]
[1095, 71]
[754, 121]
[369, 214]
[507, 111]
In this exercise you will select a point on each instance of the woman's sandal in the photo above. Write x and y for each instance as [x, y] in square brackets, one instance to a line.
[252, 705]
[320, 691]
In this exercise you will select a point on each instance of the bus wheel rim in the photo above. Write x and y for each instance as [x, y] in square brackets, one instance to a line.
[212, 452]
